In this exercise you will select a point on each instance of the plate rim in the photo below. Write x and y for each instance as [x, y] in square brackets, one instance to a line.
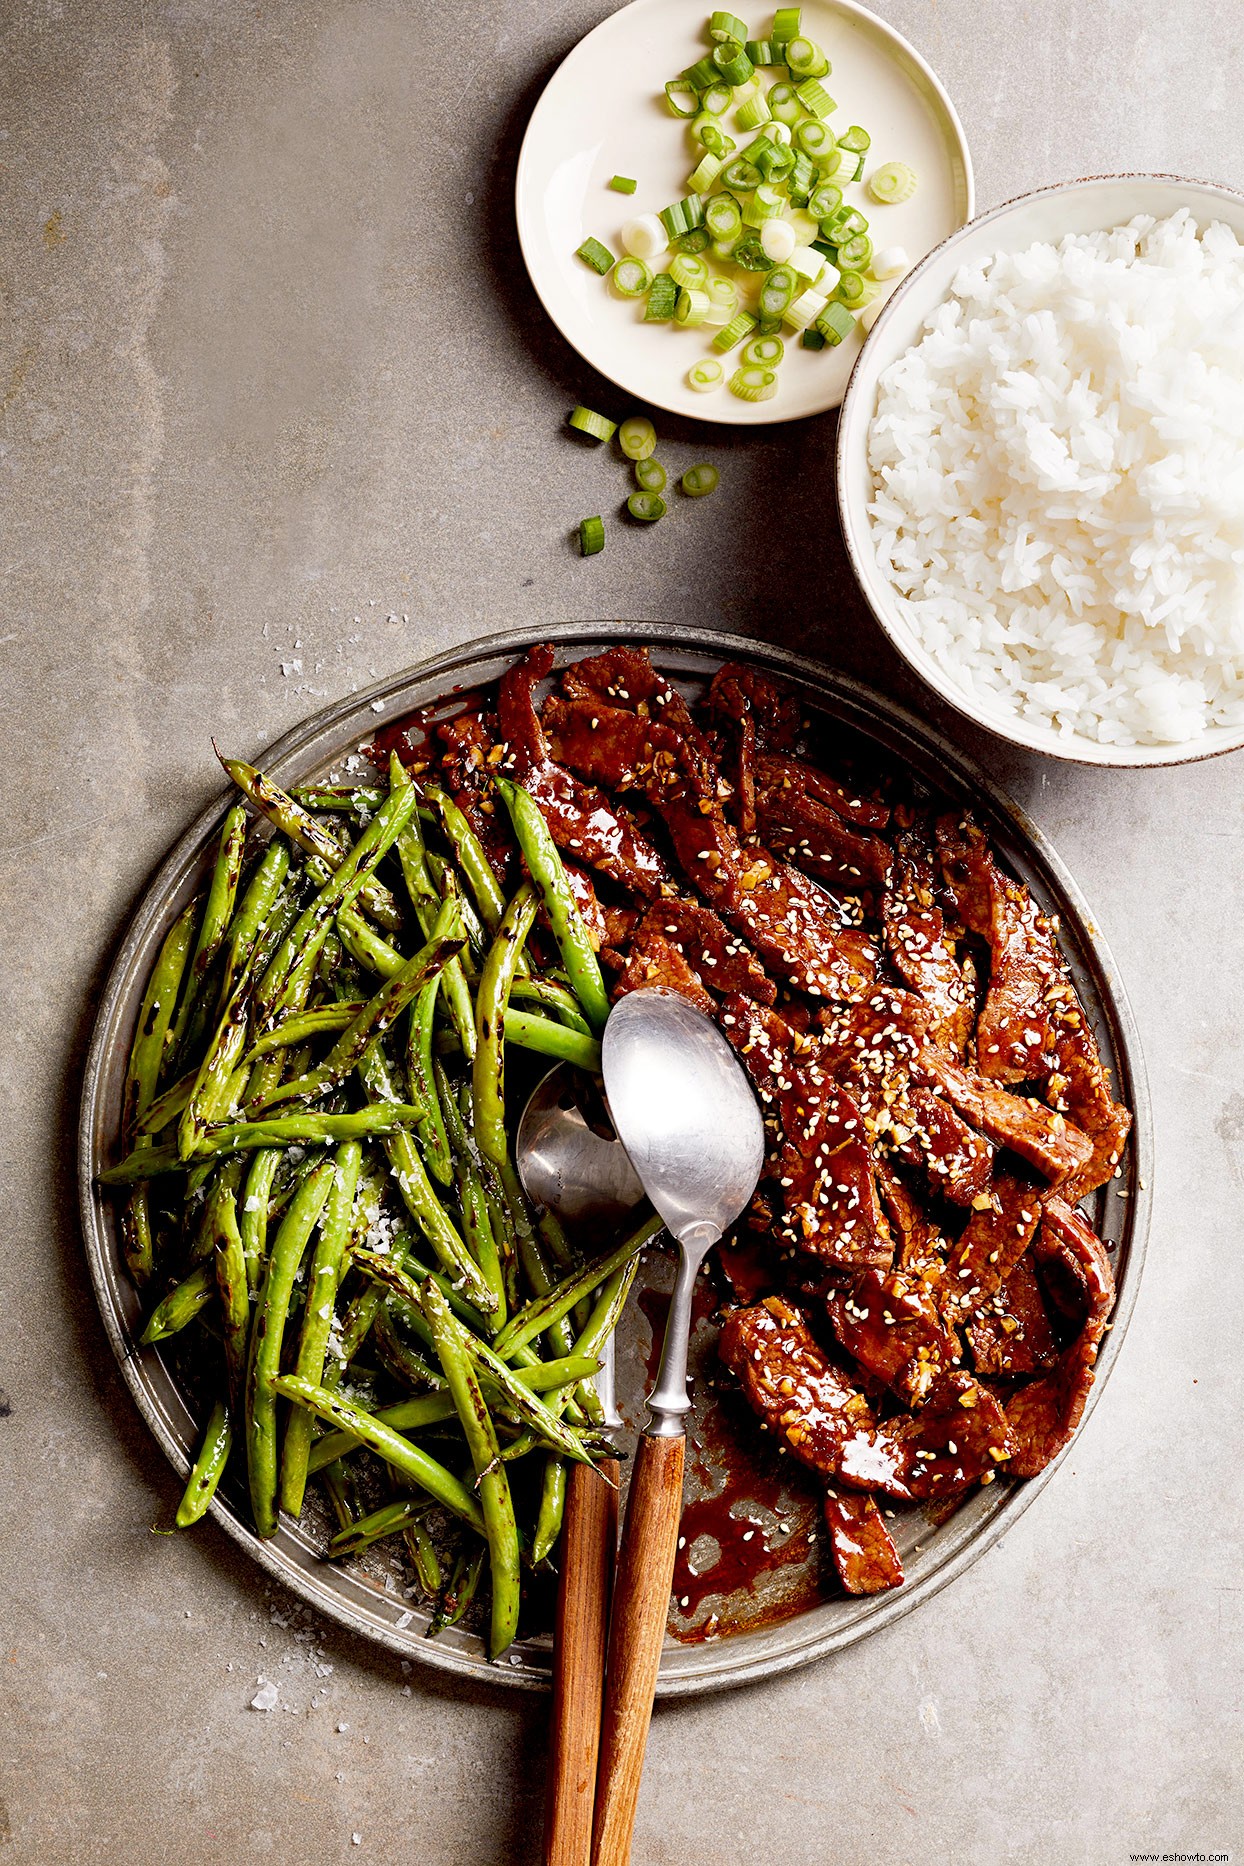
[734, 418]
[871, 711]
[856, 535]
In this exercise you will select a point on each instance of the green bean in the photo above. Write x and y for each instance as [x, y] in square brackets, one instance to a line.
[370, 1024]
[222, 1057]
[552, 1509]
[251, 918]
[406, 1275]
[500, 1524]
[459, 1594]
[323, 1280]
[253, 1217]
[302, 1129]
[423, 1556]
[137, 1234]
[231, 1281]
[554, 997]
[267, 1333]
[167, 1106]
[304, 937]
[206, 1471]
[154, 1017]
[338, 1482]
[419, 1197]
[609, 1306]
[378, 956]
[513, 1392]
[397, 1355]
[552, 1039]
[405, 1457]
[357, 798]
[488, 1071]
[424, 1409]
[180, 1306]
[544, 865]
[471, 857]
[299, 1026]
[389, 1520]
[301, 828]
[190, 1024]
[539, 1315]
[478, 1227]
[354, 1331]
[421, 1082]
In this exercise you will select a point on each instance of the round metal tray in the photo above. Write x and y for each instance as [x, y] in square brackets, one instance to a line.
[366, 1596]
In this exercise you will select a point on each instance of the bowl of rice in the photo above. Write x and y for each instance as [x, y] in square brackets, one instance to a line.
[1041, 470]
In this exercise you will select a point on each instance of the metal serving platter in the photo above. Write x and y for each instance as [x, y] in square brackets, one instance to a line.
[367, 1596]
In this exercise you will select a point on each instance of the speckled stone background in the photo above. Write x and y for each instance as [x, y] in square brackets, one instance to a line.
[270, 372]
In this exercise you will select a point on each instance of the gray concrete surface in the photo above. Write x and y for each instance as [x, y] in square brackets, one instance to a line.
[270, 371]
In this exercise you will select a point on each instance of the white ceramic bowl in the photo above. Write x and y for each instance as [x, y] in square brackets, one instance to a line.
[603, 113]
[1085, 206]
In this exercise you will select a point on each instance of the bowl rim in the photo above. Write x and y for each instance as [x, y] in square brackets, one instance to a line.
[852, 425]
[522, 192]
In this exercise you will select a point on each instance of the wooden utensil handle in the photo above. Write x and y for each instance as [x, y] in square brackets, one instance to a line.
[589, 1549]
[641, 1601]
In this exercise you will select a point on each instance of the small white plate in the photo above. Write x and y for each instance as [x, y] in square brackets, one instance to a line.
[603, 113]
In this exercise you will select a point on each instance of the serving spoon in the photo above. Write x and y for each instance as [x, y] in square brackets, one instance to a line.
[691, 1126]
[585, 1177]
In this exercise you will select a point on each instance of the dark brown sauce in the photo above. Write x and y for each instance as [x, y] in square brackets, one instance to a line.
[749, 1544]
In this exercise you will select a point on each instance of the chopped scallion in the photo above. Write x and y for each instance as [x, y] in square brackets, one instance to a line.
[597, 427]
[591, 536]
[726, 26]
[649, 474]
[754, 112]
[754, 385]
[698, 481]
[704, 375]
[692, 308]
[688, 269]
[631, 278]
[662, 298]
[643, 237]
[835, 323]
[892, 182]
[857, 139]
[815, 98]
[682, 98]
[593, 254]
[623, 184]
[723, 216]
[717, 99]
[785, 106]
[682, 216]
[732, 61]
[805, 59]
[637, 437]
[786, 23]
[705, 172]
[735, 331]
[811, 339]
[765, 351]
[646, 506]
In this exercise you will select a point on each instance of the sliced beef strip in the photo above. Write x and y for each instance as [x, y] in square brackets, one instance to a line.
[789, 1380]
[737, 693]
[1011, 1334]
[919, 946]
[1044, 1414]
[794, 926]
[468, 741]
[583, 822]
[821, 1168]
[875, 1047]
[863, 1550]
[889, 1322]
[1032, 1026]
[785, 917]
[581, 886]
[1040, 1135]
[959, 1437]
[921, 1249]
[999, 1231]
[654, 960]
[625, 681]
[720, 959]
[793, 817]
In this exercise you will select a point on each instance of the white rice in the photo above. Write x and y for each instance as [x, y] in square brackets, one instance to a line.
[1058, 481]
